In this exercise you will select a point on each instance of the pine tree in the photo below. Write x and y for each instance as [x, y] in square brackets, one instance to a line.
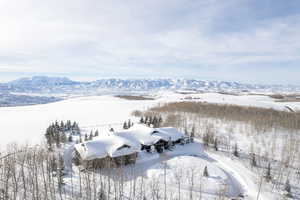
[96, 133]
[70, 138]
[91, 136]
[150, 120]
[129, 124]
[62, 126]
[236, 152]
[142, 120]
[146, 120]
[68, 125]
[205, 172]
[57, 139]
[63, 137]
[49, 137]
[125, 125]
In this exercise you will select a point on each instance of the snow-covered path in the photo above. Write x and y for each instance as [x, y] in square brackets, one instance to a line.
[246, 178]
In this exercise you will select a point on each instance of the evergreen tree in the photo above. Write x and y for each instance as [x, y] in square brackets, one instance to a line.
[91, 136]
[205, 172]
[125, 125]
[63, 137]
[57, 139]
[236, 151]
[62, 126]
[150, 120]
[68, 125]
[70, 138]
[129, 124]
[96, 133]
[146, 120]
[49, 137]
[142, 120]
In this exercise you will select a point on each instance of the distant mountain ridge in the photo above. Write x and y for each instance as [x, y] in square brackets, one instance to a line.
[44, 84]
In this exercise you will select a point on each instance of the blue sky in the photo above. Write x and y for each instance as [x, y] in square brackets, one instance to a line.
[255, 41]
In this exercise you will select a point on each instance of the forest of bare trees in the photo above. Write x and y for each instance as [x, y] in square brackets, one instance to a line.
[273, 135]
[35, 173]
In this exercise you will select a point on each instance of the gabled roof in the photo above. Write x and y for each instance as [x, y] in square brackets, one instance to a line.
[112, 146]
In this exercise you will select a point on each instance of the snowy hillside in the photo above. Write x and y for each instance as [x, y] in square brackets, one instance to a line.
[42, 84]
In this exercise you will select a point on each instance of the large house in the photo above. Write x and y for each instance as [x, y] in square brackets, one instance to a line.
[108, 151]
[122, 147]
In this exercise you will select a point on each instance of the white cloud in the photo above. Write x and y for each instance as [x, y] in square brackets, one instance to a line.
[100, 37]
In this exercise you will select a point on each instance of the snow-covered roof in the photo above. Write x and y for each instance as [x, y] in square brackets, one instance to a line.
[141, 134]
[125, 142]
[112, 146]
[169, 133]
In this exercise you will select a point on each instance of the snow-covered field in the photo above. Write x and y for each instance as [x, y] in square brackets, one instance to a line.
[262, 101]
[28, 123]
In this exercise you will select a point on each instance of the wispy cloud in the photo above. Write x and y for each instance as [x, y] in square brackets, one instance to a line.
[221, 39]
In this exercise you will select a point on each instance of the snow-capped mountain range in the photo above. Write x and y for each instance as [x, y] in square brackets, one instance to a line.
[52, 85]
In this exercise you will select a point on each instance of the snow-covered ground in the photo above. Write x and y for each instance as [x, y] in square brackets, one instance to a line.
[29, 123]
[182, 169]
[262, 101]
